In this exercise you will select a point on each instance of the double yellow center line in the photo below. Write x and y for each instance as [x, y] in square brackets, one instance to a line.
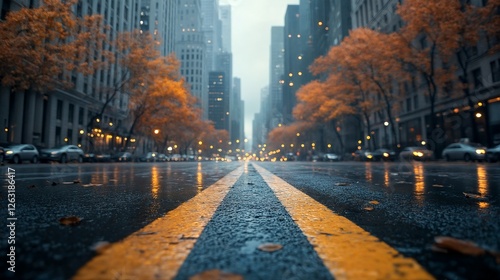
[158, 250]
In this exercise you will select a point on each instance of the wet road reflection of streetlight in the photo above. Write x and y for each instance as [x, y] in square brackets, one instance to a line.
[199, 178]
[418, 171]
[368, 172]
[386, 175]
[482, 185]
[155, 182]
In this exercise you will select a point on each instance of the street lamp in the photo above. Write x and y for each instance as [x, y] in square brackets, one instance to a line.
[386, 124]
[156, 131]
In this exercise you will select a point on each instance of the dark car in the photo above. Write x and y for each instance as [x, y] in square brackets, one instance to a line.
[102, 157]
[122, 157]
[384, 155]
[20, 153]
[362, 155]
[493, 154]
[331, 157]
[416, 153]
[63, 154]
[2, 154]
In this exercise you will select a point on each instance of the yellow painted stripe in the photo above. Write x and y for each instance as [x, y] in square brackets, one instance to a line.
[348, 251]
[158, 250]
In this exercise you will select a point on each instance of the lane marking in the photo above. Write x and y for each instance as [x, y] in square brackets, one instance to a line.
[348, 251]
[158, 250]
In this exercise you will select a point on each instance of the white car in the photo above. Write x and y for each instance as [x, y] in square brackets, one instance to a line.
[62, 154]
[20, 153]
[462, 151]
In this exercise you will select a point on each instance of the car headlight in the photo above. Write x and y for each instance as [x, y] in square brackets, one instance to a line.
[418, 154]
[480, 151]
[386, 154]
[369, 156]
[9, 152]
[54, 153]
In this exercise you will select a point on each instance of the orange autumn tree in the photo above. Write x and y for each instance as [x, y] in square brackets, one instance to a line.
[288, 138]
[150, 89]
[325, 103]
[428, 41]
[175, 113]
[42, 47]
[364, 65]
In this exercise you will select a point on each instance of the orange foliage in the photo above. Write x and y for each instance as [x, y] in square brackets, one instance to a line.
[42, 45]
[286, 135]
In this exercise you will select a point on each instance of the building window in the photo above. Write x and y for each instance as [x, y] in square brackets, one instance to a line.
[408, 105]
[59, 110]
[80, 116]
[71, 113]
[478, 79]
[495, 70]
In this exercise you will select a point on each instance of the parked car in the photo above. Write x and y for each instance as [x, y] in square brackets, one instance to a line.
[2, 154]
[463, 151]
[122, 157]
[63, 154]
[176, 157]
[89, 157]
[103, 157]
[384, 154]
[150, 157]
[162, 158]
[362, 155]
[416, 153]
[331, 157]
[290, 157]
[493, 154]
[20, 153]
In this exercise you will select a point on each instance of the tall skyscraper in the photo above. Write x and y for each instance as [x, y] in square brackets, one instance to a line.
[191, 51]
[159, 18]
[211, 29]
[225, 17]
[276, 70]
[237, 113]
[292, 61]
[218, 109]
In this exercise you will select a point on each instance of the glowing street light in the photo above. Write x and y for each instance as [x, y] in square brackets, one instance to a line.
[156, 131]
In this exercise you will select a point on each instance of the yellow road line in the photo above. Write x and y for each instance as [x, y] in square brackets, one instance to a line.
[348, 251]
[158, 250]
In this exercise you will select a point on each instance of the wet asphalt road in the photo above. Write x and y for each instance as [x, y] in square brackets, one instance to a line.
[416, 203]
[131, 196]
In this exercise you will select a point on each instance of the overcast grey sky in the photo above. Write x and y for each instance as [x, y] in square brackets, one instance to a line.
[251, 39]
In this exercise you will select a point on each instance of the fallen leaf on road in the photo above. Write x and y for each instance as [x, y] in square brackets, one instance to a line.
[76, 181]
[31, 186]
[475, 196]
[92, 185]
[403, 182]
[100, 246]
[374, 202]
[70, 221]
[54, 183]
[251, 184]
[270, 247]
[216, 274]
[369, 208]
[460, 246]
[342, 184]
